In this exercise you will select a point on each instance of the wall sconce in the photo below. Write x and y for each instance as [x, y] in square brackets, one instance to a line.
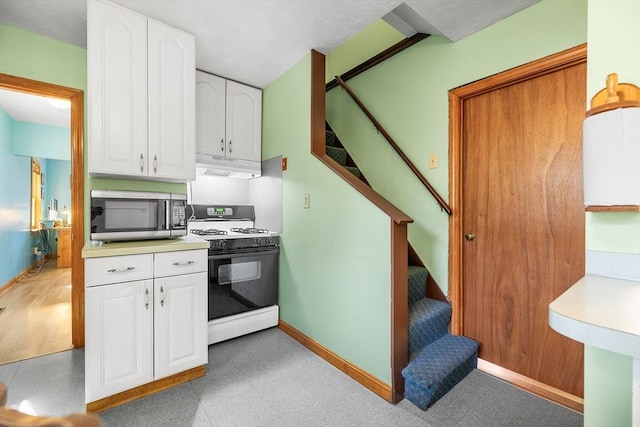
[611, 148]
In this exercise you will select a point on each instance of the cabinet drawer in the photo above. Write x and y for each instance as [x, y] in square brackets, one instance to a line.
[117, 269]
[180, 262]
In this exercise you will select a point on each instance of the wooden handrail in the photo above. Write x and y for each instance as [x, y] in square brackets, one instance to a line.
[443, 205]
[375, 60]
[318, 143]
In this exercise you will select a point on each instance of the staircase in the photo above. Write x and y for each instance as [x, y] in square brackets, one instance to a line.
[437, 359]
[337, 152]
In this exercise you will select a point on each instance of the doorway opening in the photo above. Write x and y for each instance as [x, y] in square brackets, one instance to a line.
[76, 99]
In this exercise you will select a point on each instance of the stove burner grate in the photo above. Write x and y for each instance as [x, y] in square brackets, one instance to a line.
[249, 230]
[208, 232]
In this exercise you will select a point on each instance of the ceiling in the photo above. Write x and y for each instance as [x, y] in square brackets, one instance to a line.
[256, 41]
[33, 108]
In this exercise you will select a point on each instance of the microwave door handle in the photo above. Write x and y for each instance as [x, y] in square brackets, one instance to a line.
[167, 224]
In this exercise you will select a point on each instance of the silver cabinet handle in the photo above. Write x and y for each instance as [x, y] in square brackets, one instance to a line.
[155, 163]
[222, 145]
[141, 163]
[229, 146]
[120, 270]
[161, 296]
[183, 263]
[146, 298]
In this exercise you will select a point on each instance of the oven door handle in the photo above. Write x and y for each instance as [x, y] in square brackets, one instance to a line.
[252, 252]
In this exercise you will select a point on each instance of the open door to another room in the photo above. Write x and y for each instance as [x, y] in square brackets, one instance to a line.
[76, 97]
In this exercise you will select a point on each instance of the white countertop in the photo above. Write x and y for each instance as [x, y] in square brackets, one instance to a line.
[601, 312]
[143, 247]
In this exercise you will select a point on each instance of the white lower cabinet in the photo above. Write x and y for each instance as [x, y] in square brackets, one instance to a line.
[138, 331]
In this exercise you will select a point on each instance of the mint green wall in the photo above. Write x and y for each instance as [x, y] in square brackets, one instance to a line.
[34, 139]
[36, 57]
[335, 257]
[607, 388]
[613, 46]
[408, 94]
[367, 43]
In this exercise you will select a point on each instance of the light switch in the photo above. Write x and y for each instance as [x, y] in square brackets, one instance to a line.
[433, 161]
[307, 201]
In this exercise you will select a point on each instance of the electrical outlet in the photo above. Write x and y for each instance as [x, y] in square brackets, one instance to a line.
[307, 201]
[433, 161]
[35, 250]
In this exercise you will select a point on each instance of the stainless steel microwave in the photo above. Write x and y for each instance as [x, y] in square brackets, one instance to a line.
[135, 215]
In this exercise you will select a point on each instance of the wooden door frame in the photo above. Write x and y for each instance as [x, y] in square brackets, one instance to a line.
[543, 66]
[76, 97]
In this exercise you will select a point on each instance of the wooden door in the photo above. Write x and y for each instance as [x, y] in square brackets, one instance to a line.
[523, 222]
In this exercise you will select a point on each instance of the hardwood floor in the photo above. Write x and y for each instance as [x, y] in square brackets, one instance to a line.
[36, 319]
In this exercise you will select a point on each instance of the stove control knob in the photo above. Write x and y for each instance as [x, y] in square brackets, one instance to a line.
[218, 244]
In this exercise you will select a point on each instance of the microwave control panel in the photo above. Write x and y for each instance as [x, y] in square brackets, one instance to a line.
[178, 214]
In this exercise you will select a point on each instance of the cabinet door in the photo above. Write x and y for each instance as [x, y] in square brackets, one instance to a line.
[172, 103]
[180, 323]
[118, 338]
[117, 90]
[244, 122]
[210, 115]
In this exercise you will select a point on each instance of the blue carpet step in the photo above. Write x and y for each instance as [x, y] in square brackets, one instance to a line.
[428, 321]
[337, 154]
[437, 368]
[353, 170]
[330, 138]
[417, 283]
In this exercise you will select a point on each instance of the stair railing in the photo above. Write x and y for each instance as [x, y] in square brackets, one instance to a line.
[443, 204]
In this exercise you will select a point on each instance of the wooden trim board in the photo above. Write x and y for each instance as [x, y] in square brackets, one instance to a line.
[539, 389]
[145, 390]
[367, 380]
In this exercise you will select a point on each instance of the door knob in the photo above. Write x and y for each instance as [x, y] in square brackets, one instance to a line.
[470, 236]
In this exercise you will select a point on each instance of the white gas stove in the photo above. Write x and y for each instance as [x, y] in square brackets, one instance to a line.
[224, 222]
[243, 269]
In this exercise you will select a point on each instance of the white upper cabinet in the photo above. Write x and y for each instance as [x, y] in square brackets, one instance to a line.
[210, 114]
[244, 122]
[117, 95]
[141, 78]
[172, 102]
[229, 119]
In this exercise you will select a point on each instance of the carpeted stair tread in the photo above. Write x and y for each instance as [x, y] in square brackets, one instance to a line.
[353, 170]
[330, 138]
[337, 154]
[437, 368]
[428, 321]
[417, 283]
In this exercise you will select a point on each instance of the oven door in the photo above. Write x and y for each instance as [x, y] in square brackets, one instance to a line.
[242, 281]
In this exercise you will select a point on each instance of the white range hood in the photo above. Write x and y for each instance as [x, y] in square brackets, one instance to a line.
[231, 168]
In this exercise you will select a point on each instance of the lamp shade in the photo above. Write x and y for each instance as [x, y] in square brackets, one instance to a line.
[611, 158]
